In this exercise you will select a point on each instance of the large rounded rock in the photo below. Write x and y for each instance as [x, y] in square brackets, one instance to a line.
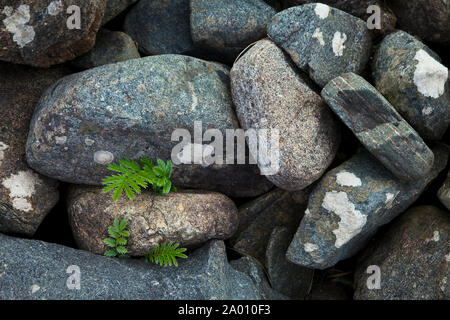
[413, 259]
[25, 196]
[160, 26]
[131, 109]
[188, 218]
[36, 32]
[323, 41]
[349, 205]
[270, 94]
[414, 81]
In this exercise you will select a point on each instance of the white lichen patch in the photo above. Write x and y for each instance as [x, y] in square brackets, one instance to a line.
[103, 157]
[16, 23]
[322, 10]
[3, 148]
[430, 76]
[61, 140]
[351, 220]
[319, 36]
[35, 288]
[447, 257]
[22, 204]
[436, 236]
[310, 247]
[89, 142]
[55, 8]
[427, 111]
[21, 186]
[348, 179]
[338, 43]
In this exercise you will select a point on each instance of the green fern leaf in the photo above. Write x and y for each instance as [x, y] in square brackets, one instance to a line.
[110, 242]
[110, 253]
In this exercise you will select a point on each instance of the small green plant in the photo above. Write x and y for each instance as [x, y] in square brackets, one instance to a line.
[165, 255]
[118, 239]
[133, 177]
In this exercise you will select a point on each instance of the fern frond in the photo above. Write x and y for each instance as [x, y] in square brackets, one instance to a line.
[166, 254]
[117, 242]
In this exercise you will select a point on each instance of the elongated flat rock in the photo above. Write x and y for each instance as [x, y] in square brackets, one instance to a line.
[378, 126]
[186, 217]
[348, 206]
[323, 41]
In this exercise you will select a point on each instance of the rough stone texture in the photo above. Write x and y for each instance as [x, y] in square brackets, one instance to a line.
[357, 8]
[270, 94]
[35, 32]
[278, 208]
[129, 110]
[348, 206]
[160, 27]
[114, 8]
[444, 192]
[290, 279]
[228, 27]
[25, 196]
[414, 81]
[186, 217]
[378, 126]
[255, 271]
[413, 256]
[110, 47]
[426, 18]
[38, 270]
[323, 41]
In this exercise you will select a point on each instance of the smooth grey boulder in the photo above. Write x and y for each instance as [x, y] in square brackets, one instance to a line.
[413, 79]
[131, 109]
[160, 27]
[270, 94]
[323, 41]
[36, 270]
[348, 206]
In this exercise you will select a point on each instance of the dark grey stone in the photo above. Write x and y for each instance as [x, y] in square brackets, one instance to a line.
[323, 41]
[38, 270]
[130, 109]
[444, 192]
[114, 8]
[411, 77]
[348, 206]
[160, 27]
[378, 126]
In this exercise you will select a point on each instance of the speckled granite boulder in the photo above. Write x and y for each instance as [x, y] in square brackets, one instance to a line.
[378, 126]
[110, 47]
[25, 196]
[187, 217]
[429, 19]
[258, 219]
[413, 257]
[160, 26]
[270, 94]
[414, 81]
[228, 27]
[322, 41]
[444, 192]
[36, 32]
[357, 8]
[114, 8]
[348, 206]
[35, 270]
[286, 277]
[130, 109]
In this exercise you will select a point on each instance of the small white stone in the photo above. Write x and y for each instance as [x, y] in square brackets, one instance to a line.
[103, 157]
[310, 247]
[322, 10]
[319, 36]
[348, 179]
[430, 76]
[338, 43]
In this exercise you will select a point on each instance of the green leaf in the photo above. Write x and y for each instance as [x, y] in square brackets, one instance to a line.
[167, 187]
[121, 250]
[169, 168]
[158, 171]
[121, 241]
[110, 242]
[112, 233]
[124, 233]
[123, 224]
[110, 253]
[116, 225]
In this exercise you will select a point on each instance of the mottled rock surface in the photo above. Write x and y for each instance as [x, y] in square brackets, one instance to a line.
[444, 192]
[378, 126]
[270, 94]
[278, 208]
[428, 19]
[38, 270]
[188, 217]
[290, 279]
[228, 27]
[114, 8]
[25, 196]
[348, 206]
[110, 47]
[411, 77]
[322, 41]
[130, 109]
[36, 32]
[160, 27]
[413, 257]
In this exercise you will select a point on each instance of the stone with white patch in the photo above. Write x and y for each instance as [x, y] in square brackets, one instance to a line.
[55, 7]
[103, 157]
[430, 76]
[310, 247]
[319, 36]
[17, 24]
[338, 43]
[348, 179]
[322, 10]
